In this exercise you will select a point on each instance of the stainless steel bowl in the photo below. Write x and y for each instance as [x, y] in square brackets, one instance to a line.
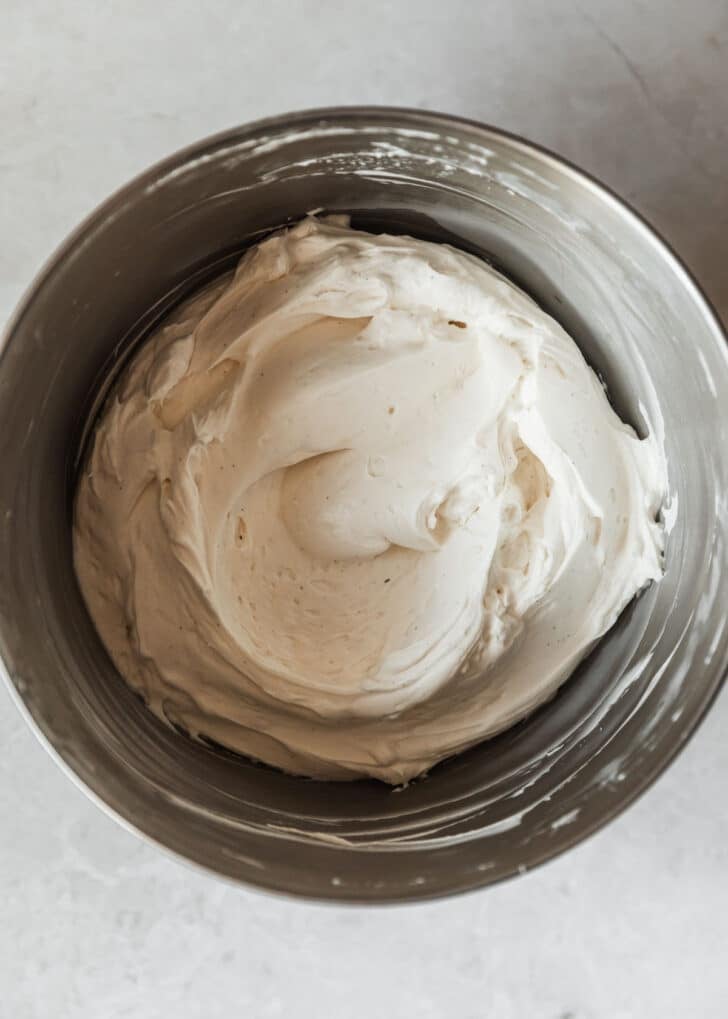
[642, 322]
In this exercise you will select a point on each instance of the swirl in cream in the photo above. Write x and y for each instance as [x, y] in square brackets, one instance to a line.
[360, 505]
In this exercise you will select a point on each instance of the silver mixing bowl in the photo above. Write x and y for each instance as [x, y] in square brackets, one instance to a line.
[641, 321]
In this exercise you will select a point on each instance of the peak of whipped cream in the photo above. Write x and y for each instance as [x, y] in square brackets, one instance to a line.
[360, 505]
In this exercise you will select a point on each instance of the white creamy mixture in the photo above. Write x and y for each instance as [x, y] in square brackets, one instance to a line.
[359, 506]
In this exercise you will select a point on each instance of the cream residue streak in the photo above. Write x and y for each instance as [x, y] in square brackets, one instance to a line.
[360, 505]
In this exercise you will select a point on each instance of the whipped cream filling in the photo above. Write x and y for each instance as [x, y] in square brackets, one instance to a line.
[360, 505]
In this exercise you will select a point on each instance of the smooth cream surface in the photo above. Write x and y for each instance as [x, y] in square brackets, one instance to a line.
[360, 505]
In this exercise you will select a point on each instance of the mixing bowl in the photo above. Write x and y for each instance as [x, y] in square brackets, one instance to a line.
[641, 321]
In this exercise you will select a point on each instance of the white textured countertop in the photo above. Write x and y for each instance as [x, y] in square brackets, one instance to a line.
[633, 924]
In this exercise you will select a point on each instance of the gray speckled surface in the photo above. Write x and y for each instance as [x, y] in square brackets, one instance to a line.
[634, 923]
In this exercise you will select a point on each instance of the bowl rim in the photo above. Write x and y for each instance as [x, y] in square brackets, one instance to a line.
[237, 134]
